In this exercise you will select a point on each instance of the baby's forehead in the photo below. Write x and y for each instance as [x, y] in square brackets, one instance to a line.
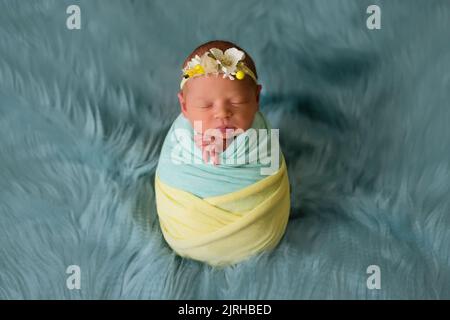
[201, 94]
[217, 86]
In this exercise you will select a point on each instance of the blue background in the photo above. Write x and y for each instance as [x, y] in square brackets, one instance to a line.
[364, 125]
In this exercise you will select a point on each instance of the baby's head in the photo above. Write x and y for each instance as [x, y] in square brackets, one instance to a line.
[219, 102]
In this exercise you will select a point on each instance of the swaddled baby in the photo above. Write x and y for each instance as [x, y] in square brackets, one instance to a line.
[221, 183]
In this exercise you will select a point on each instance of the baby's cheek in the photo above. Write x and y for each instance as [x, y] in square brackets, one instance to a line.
[246, 122]
[202, 125]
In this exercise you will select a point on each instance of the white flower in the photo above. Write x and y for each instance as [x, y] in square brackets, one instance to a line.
[193, 62]
[228, 60]
[208, 63]
[227, 75]
[215, 61]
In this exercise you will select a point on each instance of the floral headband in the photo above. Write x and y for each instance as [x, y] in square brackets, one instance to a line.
[214, 61]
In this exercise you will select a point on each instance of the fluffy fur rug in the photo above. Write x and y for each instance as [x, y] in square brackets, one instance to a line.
[363, 117]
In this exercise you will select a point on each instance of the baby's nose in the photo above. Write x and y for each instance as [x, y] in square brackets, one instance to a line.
[223, 111]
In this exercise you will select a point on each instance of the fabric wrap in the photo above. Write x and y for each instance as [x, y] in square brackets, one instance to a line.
[181, 166]
[225, 213]
[225, 229]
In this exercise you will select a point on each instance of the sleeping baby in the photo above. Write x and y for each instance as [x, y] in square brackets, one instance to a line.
[221, 185]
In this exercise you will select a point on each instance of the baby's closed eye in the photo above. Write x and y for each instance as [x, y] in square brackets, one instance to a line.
[205, 106]
[239, 102]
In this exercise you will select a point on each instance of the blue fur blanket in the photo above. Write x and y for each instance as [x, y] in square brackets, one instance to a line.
[364, 125]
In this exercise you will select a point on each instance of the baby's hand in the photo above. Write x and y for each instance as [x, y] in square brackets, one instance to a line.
[211, 151]
[211, 147]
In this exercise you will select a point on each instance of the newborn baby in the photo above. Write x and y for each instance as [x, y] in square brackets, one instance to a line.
[221, 184]
[217, 103]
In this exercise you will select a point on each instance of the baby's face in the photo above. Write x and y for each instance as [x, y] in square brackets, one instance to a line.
[220, 103]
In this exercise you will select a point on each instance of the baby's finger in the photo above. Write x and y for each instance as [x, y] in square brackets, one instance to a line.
[205, 154]
[220, 146]
[212, 155]
[216, 158]
[209, 147]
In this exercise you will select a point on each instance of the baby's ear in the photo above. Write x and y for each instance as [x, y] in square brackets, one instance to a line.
[182, 103]
[258, 91]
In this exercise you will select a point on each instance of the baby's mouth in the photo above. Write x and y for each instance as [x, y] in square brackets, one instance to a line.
[227, 130]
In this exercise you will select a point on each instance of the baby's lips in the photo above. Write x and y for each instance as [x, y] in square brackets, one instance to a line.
[226, 130]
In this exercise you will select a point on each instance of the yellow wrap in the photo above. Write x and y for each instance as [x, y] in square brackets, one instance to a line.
[225, 229]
